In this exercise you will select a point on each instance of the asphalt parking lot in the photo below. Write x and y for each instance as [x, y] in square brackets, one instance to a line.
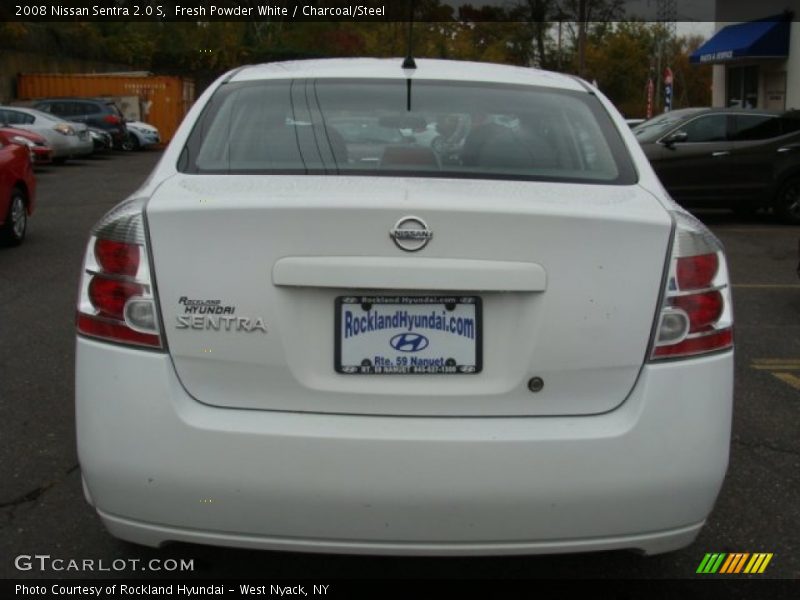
[42, 510]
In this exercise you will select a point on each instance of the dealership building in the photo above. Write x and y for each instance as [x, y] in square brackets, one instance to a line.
[756, 54]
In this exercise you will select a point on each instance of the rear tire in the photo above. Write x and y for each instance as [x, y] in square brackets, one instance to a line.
[787, 201]
[131, 143]
[12, 233]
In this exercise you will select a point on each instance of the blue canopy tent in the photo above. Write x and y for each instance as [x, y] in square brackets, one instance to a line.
[765, 38]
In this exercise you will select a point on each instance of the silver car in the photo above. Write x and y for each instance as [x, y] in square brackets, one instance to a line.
[67, 139]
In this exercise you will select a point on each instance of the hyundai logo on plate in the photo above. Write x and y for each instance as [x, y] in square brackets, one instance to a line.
[409, 342]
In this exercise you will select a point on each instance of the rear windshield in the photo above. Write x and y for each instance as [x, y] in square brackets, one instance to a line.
[402, 127]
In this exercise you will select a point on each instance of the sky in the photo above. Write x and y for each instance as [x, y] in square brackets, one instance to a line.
[703, 28]
[688, 10]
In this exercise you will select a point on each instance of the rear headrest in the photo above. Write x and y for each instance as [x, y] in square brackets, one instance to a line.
[409, 156]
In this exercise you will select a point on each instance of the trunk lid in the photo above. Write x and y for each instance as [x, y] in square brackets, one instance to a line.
[568, 275]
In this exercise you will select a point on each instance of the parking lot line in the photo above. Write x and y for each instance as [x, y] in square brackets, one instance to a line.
[773, 361]
[792, 380]
[779, 368]
[776, 364]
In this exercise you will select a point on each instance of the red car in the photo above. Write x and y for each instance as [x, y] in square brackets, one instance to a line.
[41, 152]
[17, 191]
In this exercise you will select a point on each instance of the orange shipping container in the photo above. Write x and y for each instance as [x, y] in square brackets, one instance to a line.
[167, 99]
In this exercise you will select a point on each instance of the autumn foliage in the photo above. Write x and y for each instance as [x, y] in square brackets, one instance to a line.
[619, 56]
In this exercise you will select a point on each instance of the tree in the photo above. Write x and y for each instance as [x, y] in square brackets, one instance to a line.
[621, 64]
[618, 55]
[592, 20]
[692, 82]
[533, 41]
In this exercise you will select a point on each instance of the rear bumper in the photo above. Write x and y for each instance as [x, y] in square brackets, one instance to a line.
[66, 146]
[102, 142]
[159, 466]
[154, 535]
[81, 147]
[42, 156]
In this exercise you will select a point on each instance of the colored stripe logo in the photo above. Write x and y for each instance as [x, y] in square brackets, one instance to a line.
[734, 563]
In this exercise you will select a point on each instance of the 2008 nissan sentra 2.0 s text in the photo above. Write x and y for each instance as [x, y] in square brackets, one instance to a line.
[446, 309]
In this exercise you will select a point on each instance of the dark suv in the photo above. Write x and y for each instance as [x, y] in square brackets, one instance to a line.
[95, 112]
[727, 157]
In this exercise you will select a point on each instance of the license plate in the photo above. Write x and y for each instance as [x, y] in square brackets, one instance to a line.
[408, 335]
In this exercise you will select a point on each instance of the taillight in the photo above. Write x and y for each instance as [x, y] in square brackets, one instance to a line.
[109, 296]
[64, 129]
[117, 300]
[112, 119]
[697, 314]
[696, 271]
[21, 141]
[118, 258]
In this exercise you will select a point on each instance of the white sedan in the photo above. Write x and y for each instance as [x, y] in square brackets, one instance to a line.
[67, 139]
[528, 349]
[140, 135]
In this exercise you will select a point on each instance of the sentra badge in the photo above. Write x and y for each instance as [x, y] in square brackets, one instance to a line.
[214, 315]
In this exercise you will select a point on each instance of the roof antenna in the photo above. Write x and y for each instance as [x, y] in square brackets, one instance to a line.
[409, 62]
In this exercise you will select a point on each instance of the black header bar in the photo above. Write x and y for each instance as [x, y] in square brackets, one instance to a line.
[378, 10]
